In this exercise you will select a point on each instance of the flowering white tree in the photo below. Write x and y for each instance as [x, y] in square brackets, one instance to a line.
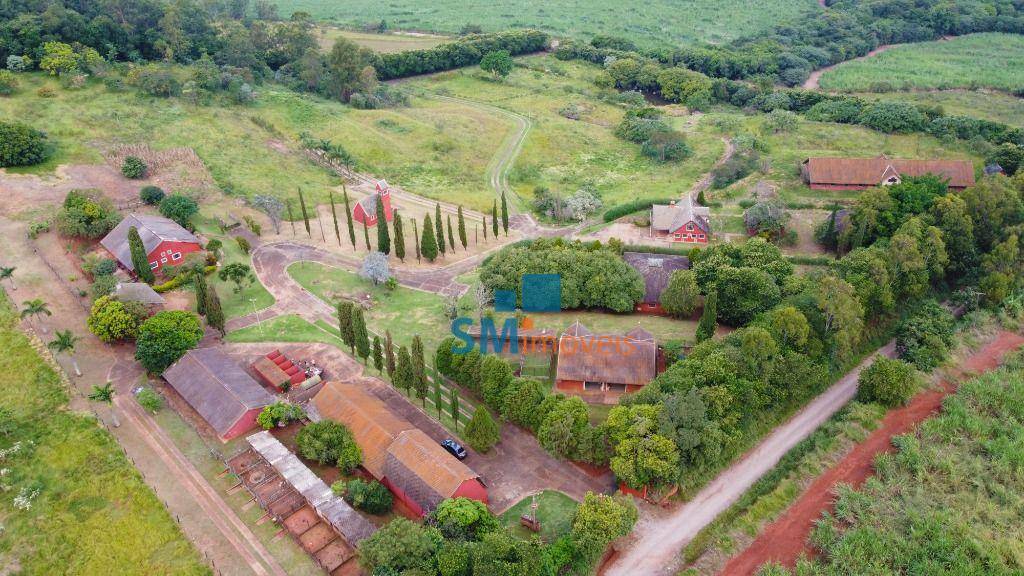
[375, 268]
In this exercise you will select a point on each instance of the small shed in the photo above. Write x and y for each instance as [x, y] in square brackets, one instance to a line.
[226, 397]
[275, 369]
[138, 292]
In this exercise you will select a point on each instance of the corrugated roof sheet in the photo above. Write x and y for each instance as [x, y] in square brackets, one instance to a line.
[349, 523]
[674, 216]
[217, 388]
[137, 292]
[423, 469]
[607, 358]
[656, 269]
[152, 229]
[872, 171]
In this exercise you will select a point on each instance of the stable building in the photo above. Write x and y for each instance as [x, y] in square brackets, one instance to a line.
[217, 388]
[864, 173]
[166, 241]
[365, 211]
[681, 221]
[600, 368]
[412, 465]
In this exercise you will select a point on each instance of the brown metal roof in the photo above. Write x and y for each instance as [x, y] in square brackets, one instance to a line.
[610, 358]
[656, 269]
[373, 426]
[217, 388]
[424, 470]
[872, 171]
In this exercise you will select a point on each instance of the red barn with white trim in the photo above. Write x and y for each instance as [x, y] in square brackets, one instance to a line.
[166, 241]
[365, 210]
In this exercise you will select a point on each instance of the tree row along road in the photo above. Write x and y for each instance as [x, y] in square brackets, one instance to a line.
[658, 541]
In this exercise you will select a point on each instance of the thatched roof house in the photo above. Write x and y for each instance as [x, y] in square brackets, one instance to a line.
[601, 367]
[862, 173]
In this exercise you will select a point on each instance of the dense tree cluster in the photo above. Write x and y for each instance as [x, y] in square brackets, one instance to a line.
[466, 51]
[87, 214]
[592, 275]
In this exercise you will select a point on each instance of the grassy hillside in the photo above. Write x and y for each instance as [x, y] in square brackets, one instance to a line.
[973, 61]
[659, 22]
[91, 513]
[948, 500]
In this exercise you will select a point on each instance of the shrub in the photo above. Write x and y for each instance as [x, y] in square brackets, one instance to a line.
[924, 338]
[151, 195]
[21, 145]
[133, 167]
[482, 432]
[279, 413]
[371, 497]
[892, 116]
[46, 92]
[179, 208]
[464, 519]
[330, 443]
[887, 382]
[154, 80]
[103, 285]
[620, 210]
[149, 400]
[87, 214]
[111, 321]
[18, 63]
[243, 244]
[844, 111]
[96, 265]
[8, 83]
[734, 169]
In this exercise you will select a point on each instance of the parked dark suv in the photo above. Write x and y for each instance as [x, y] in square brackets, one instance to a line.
[454, 448]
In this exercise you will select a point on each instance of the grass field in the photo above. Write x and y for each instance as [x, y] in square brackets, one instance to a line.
[555, 511]
[973, 61]
[253, 296]
[988, 105]
[91, 512]
[660, 22]
[947, 499]
[385, 43]
[564, 155]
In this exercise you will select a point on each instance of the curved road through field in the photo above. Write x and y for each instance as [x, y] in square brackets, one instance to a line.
[657, 542]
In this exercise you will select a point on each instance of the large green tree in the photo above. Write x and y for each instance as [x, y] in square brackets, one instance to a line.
[482, 432]
[165, 337]
[682, 295]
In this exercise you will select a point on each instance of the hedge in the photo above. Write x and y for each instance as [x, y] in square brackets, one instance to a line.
[466, 51]
[180, 280]
[620, 210]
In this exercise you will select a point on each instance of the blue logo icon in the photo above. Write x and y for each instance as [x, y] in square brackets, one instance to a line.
[541, 293]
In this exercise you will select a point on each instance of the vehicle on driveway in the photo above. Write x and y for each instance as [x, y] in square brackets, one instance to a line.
[454, 448]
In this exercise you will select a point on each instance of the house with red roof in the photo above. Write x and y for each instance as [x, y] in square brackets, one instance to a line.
[365, 211]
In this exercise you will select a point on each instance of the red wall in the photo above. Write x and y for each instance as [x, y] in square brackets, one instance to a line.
[246, 423]
[473, 490]
[409, 502]
[173, 247]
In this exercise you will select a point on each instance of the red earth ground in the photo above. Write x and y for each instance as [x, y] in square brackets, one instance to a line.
[784, 540]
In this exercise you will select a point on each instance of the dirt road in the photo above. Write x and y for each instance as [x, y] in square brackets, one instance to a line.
[785, 539]
[658, 541]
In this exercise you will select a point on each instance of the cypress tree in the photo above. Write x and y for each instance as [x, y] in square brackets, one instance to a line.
[451, 239]
[320, 223]
[462, 228]
[399, 237]
[389, 354]
[429, 244]
[439, 231]
[383, 237]
[214, 312]
[362, 337]
[482, 431]
[378, 355]
[416, 239]
[345, 327]
[305, 214]
[291, 217]
[334, 215]
[140, 261]
[348, 217]
[199, 283]
[494, 218]
[453, 402]
[504, 212]
[438, 398]
[484, 227]
[403, 372]
[419, 369]
[366, 235]
[706, 327]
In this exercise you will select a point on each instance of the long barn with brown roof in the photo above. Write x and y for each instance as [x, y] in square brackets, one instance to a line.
[863, 173]
[412, 465]
[601, 367]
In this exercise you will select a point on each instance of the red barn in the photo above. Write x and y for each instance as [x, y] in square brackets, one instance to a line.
[411, 464]
[864, 173]
[165, 240]
[365, 210]
[681, 222]
[219, 390]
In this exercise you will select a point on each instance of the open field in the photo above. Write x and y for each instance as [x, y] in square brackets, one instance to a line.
[661, 22]
[984, 104]
[988, 60]
[385, 43]
[563, 154]
[91, 512]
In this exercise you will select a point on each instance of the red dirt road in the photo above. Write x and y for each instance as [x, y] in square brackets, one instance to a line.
[785, 539]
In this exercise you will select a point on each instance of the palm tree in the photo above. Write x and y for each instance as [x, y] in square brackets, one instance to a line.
[64, 343]
[7, 273]
[36, 308]
[105, 394]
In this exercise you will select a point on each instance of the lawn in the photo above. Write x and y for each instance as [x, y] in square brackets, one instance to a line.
[989, 60]
[252, 296]
[404, 311]
[657, 23]
[385, 43]
[90, 511]
[564, 155]
[555, 511]
[286, 328]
